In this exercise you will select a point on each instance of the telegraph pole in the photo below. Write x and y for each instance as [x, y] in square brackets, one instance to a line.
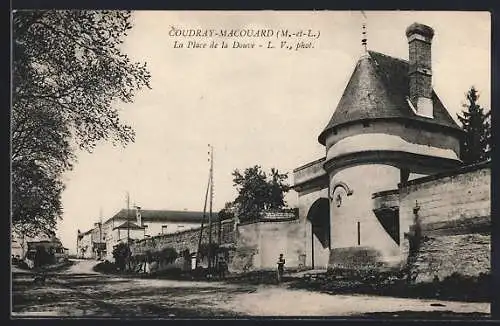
[100, 232]
[202, 223]
[210, 208]
[128, 218]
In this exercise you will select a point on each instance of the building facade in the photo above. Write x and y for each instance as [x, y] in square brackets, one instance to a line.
[84, 244]
[136, 224]
[389, 128]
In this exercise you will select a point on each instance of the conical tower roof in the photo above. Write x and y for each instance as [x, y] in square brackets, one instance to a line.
[378, 89]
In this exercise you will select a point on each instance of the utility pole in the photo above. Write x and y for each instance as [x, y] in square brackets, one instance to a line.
[210, 208]
[99, 248]
[128, 219]
[202, 223]
[128, 227]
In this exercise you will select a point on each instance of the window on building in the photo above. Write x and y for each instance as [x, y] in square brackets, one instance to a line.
[366, 124]
[164, 229]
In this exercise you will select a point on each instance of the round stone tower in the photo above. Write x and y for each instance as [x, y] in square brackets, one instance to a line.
[389, 127]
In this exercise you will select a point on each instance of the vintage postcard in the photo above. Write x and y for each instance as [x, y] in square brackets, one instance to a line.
[239, 164]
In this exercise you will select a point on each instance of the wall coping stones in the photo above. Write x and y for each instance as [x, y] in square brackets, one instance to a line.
[193, 230]
[385, 193]
[449, 173]
[263, 220]
[305, 166]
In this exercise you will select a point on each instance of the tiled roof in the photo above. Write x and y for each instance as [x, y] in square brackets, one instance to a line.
[149, 215]
[129, 225]
[378, 89]
[82, 234]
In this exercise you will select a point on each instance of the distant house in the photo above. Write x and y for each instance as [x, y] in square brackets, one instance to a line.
[136, 224]
[16, 249]
[84, 244]
[20, 245]
[52, 246]
[126, 230]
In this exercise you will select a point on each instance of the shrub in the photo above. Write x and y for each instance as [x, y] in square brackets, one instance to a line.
[23, 265]
[105, 267]
[186, 254]
[42, 257]
[121, 254]
[208, 249]
[168, 254]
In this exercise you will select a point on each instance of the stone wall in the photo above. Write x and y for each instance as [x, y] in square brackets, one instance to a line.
[309, 172]
[355, 258]
[183, 240]
[252, 246]
[281, 214]
[441, 256]
[452, 213]
[259, 244]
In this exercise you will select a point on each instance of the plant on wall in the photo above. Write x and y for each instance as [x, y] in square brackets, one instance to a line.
[168, 254]
[208, 250]
[415, 240]
[186, 254]
[121, 253]
[258, 191]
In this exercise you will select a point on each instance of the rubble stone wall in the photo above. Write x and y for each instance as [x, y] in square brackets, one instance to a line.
[183, 240]
[452, 212]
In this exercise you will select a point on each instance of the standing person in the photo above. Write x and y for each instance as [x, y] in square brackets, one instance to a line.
[281, 267]
[222, 268]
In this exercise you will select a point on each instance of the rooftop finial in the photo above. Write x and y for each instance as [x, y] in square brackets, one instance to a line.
[364, 37]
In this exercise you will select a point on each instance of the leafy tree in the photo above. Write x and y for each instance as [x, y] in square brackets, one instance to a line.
[258, 192]
[227, 212]
[69, 75]
[36, 199]
[476, 144]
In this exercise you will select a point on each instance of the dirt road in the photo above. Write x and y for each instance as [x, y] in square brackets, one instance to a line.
[79, 291]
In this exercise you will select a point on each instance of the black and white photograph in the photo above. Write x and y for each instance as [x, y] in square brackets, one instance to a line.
[240, 164]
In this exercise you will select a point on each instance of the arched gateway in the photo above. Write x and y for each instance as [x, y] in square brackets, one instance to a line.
[319, 220]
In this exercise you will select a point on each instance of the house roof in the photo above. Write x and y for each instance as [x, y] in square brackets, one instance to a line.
[378, 89]
[129, 225]
[149, 215]
[54, 242]
[82, 234]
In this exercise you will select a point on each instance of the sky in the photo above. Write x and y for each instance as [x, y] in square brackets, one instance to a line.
[254, 105]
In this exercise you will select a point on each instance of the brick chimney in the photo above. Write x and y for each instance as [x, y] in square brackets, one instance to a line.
[420, 68]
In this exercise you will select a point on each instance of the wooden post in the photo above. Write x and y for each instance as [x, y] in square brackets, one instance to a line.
[359, 233]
